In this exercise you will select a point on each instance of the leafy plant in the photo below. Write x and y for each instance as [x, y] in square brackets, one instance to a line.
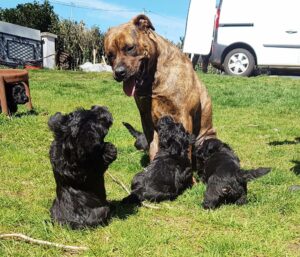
[33, 15]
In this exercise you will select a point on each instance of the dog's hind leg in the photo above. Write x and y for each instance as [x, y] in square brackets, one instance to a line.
[206, 121]
[206, 125]
[188, 126]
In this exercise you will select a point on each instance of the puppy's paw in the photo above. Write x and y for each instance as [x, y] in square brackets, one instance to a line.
[242, 200]
[109, 153]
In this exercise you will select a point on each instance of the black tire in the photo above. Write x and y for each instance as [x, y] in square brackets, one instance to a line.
[239, 62]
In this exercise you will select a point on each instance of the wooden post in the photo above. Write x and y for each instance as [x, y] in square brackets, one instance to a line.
[10, 77]
[3, 96]
[27, 91]
[103, 59]
[94, 56]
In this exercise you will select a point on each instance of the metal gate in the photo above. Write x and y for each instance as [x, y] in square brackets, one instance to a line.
[20, 45]
[15, 50]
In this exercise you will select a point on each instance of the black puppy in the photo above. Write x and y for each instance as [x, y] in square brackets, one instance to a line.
[170, 173]
[141, 141]
[219, 168]
[15, 94]
[79, 157]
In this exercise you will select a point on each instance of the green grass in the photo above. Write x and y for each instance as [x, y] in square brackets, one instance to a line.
[249, 114]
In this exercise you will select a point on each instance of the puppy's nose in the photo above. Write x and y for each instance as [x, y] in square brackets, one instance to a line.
[120, 73]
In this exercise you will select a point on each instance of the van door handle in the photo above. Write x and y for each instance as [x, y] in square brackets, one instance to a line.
[291, 31]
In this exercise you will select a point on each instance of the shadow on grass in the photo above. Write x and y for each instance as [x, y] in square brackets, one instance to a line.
[296, 168]
[118, 209]
[29, 113]
[286, 142]
[21, 114]
[123, 211]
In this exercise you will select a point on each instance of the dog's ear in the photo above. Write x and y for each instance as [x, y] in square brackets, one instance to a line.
[104, 115]
[106, 119]
[253, 174]
[143, 22]
[54, 123]
[211, 146]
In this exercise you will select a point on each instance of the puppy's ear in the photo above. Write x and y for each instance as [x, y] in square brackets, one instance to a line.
[103, 114]
[253, 174]
[54, 122]
[143, 22]
[107, 119]
[211, 146]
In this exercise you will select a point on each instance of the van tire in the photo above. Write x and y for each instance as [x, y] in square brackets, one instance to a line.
[239, 62]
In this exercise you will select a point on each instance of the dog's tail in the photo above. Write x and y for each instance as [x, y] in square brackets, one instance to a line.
[132, 130]
[256, 173]
[141, 141]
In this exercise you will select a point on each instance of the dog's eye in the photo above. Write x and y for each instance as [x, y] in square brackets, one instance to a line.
[110, 57]
[130, 48]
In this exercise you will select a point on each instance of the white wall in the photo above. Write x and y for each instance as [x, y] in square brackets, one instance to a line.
[48, 50]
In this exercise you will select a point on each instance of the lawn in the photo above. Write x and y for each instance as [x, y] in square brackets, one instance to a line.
[259, 117]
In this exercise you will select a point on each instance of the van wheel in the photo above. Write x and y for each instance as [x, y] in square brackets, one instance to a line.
[239, 62]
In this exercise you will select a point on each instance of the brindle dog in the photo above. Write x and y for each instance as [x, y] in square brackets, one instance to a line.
[161, 79]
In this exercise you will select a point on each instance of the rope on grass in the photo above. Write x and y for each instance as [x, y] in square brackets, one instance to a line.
[128, 192]
[28, 239]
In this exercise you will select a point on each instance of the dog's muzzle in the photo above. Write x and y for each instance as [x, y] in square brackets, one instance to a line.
[120, 73]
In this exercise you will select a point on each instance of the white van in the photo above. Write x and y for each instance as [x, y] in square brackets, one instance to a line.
[240, 35]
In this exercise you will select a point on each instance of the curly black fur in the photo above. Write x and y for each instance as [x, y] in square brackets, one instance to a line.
[170, 173]
[79, 157]
[15, 94]
[219, 168]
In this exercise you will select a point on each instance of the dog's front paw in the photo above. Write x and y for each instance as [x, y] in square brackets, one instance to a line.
[242, 200]
[109, 153]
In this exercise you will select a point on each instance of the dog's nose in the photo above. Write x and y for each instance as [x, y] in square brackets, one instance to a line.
[120, 73]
